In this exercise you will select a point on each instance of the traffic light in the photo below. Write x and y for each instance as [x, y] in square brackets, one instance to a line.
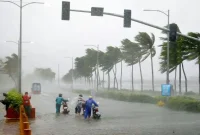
[65, 10]
[172, 32]
[127, 18]
[97, 11]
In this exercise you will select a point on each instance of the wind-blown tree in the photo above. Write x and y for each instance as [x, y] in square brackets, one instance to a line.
[101, 62]
[91, 56]
[67, 78]
[147, 44]
[192, 50]
[83, 68]
[177, 51]
[131, 53]
[45, 74]
[11, 67]
[115, 54]
[121, 61]
[106, 65]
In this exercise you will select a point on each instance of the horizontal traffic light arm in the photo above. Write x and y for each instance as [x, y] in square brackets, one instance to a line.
[138, 21]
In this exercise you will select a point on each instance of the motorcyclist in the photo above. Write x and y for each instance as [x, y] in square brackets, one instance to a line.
[79, 104]
[59, 101]
[88, 107]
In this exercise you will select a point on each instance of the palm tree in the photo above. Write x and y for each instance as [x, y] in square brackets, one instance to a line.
[192, 50]
[83, 68]
[101, 62]
[107, 65]
[121, 60]
[91, 56]
[115, 54]
[177, 53]
[130, 52]
[147, 44]
[11, 67]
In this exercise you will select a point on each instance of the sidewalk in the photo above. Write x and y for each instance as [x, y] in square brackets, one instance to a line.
[8, 127]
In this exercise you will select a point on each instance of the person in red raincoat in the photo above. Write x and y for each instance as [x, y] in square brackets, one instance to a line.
[27, 104]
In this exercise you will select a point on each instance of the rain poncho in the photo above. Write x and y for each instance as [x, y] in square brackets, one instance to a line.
[79, 105]
[88, 107]
[59, 101]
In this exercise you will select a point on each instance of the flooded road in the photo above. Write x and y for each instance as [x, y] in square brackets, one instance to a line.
[118, 118]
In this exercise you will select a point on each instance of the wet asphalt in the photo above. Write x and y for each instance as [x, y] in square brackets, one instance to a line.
[118, 118]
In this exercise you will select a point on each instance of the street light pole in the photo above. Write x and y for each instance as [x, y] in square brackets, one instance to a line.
[19, 61]
[168, 43]
[20, 52]
[20, 40]
[72, 73]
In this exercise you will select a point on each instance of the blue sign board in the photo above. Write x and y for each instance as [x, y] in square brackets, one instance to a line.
[166, 90]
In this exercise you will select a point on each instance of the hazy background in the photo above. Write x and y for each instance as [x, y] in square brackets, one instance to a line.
[55, 39]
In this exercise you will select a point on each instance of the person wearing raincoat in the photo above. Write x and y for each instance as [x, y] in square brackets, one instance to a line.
[59, 101]
[79, 104]
[88, 107]
[5, 102]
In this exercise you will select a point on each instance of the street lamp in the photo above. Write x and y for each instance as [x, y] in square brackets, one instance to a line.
[167, 14]
[20, 38]
[97, 66]
[72, 71]
[19, 75]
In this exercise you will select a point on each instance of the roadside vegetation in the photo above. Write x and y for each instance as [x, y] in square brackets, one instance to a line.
[178, 103]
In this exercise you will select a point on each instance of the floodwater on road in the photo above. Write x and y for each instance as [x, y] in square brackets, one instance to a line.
[118, 118]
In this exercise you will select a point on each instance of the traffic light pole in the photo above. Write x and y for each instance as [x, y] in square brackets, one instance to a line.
[168, 49]
[138, 21]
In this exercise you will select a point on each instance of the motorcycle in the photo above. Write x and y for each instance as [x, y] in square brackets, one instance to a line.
[65, 108]
[95, 112]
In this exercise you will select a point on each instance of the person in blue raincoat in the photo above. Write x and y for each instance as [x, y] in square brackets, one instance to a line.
[59, 101]
[88, 107]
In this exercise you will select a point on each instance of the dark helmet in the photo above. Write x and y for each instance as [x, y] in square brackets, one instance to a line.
[60, 95]
[80, 95]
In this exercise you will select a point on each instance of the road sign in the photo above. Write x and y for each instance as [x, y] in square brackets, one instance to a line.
[166, 90]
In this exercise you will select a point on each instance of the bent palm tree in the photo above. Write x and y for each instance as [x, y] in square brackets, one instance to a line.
[147, 45]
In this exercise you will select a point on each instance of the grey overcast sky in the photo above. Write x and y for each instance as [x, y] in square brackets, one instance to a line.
[55, 39]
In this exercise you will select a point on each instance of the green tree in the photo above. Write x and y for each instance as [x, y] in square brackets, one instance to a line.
[83, 67]
[91, 56]
[115, 55]
[101, 62]
[11, 67]
[45, 74]
[177, 51]
[106, 65]
[147, 44]
[132, 55]
[192, 50]
[68, 77]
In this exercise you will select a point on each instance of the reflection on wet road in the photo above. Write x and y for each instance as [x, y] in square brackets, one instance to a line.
[118, 118]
